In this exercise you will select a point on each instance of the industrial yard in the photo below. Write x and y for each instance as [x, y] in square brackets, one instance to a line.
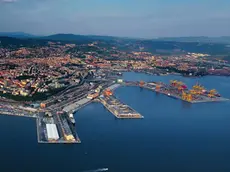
[56, 129]
[116, 107]
[60, 128]
[179, 90]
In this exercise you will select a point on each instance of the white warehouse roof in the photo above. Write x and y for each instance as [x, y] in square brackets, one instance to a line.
[52, 132]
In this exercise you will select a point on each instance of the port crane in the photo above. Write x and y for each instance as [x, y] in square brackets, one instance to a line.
[212, 93]
[141, 84]
[187, 96]
[108, 92]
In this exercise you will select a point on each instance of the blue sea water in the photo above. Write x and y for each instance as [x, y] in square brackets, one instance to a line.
[173, 136]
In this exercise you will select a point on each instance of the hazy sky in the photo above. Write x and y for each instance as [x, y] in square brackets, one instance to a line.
[132, 18]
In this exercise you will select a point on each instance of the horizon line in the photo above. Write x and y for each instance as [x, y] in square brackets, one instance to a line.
[130, 37]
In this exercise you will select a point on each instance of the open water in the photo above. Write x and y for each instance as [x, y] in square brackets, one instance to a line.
[173, 136]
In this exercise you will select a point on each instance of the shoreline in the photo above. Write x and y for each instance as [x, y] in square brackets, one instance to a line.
[177, 74]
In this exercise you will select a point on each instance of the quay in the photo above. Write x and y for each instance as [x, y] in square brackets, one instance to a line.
[200, 99]
[56, 129]
[14, 113]
[114, 86]
[54, 124]
[73, 107]
[17, 114]
[119, 109]
[60, 128]
[52, 127]
[179, 91]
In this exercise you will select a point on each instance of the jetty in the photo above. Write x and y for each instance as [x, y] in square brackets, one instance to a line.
[56, 129]
[119, 109]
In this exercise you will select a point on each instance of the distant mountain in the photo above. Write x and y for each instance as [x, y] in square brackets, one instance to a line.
[202, 39]
[73, 37]
[88, 38]
[11, 42]
[65, 37]
[156, 46]
[17, 34]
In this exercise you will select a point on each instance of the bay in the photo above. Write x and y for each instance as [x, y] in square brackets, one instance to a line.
[173, 136]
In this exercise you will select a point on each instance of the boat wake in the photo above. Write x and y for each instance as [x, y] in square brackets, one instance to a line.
[98, 170]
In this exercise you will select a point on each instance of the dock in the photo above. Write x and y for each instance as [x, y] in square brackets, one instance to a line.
[200, 99]
[119, 109]
[16, 111]
[61, 130]
[74, 106]
[17, 114]
[114, 86]
[65, 129]
[59, 123]
[169, 91]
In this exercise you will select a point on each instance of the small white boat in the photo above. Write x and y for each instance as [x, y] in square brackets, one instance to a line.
[101, 169]
[104, 169]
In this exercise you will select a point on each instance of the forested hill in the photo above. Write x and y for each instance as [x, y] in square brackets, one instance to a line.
[125, 44]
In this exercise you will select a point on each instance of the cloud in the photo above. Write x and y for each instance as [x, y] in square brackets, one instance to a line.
[7, 1]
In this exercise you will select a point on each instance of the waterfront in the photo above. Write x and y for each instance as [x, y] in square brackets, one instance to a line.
[173, 136]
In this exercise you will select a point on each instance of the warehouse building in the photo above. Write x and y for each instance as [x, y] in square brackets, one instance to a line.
[52, 132]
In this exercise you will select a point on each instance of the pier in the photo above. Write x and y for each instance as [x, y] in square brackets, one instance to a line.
[56, 129]
[190, 96]
[52, 127]
[6, 109]
[74, 106]
[119, 109]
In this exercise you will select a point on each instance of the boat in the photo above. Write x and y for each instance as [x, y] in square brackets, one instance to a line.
[217, 95]
[103, 169]
[71, 118]
[119, 74]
